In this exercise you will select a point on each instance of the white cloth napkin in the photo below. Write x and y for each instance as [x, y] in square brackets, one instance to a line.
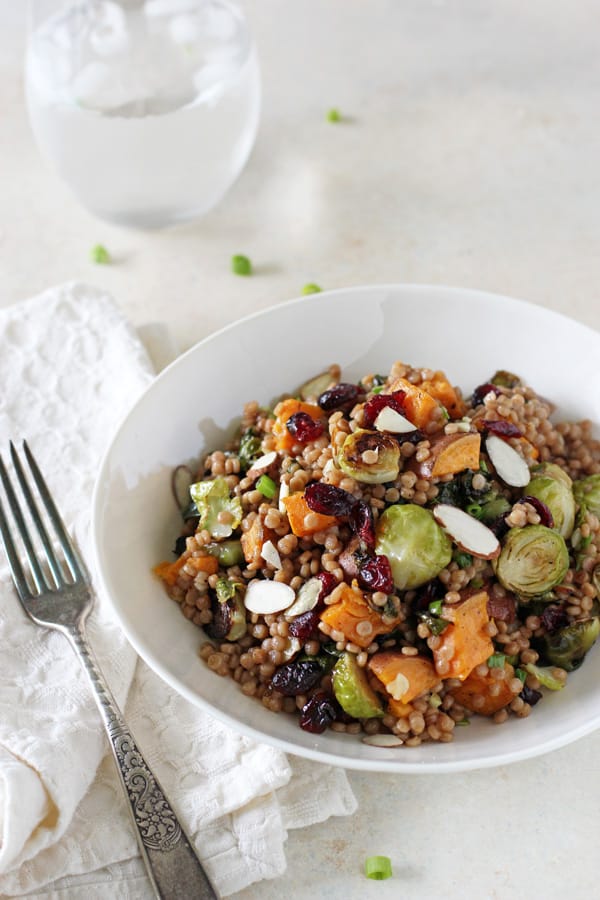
[70, 367]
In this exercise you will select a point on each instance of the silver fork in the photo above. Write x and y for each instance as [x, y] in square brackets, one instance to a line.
[58, 595]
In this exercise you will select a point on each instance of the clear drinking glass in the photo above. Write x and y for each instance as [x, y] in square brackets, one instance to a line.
[148, 110]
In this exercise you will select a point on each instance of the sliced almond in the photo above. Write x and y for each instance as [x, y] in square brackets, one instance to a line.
[267, 597]
[382, 740]
[509, 465]
[398, 687]
[306, 598]
[284, 491]
[391, 420]
[292, 647]
[263, 462]
[270, 554]
[467, 532]
[181, 479]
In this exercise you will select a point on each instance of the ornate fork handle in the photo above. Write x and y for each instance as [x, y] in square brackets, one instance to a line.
[172, 864]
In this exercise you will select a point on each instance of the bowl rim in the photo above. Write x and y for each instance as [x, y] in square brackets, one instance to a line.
[383, 765]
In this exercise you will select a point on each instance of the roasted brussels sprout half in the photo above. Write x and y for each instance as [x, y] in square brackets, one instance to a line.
[250, 449]
[229, 553]
[546, 676]
[370, 456]
[532, 560]
[229, 612]
[587, 493]
[506, 379]
[567, 647]
[315, 386]
[559, 499]
[551, 470]
[352, 689]
[211, 498]
[416, 546]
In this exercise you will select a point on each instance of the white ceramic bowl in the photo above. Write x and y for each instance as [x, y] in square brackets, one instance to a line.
[191, 408]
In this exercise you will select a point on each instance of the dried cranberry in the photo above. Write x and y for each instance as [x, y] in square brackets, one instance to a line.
[530, 696]
[328, 499]
[376, 574]
[328, 581]
[543, 511]
[218, 629]
[498, 526]
[303, 626]
[296, 677]
[318, 713]
[554, 618]
[180, 545]
[504, 609]
[341, 396]
[480, 392]
[411, 437]
[304, 428]
[374, 406]
[430, 592]
[502, 427]
[341, 715]
[362, 522]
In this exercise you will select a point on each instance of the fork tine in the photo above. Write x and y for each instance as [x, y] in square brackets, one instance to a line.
[74, 561]
[51, 557]
[15, 508]
[16, 569]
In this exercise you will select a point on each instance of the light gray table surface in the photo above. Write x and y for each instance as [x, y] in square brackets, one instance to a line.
[471, 158]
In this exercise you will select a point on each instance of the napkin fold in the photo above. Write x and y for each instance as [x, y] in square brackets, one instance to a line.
[70, 367]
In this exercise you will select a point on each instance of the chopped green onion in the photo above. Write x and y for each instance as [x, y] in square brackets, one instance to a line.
[241, 265]
[99, 254]
[583, 545]
[377, 390]
[474, 509]
[435, 701]
[484, 467]
[266, 486]
[334, 115]
[463, 560]
[496, 661]
[513, 660]
[435, 607]
[378, 867]
[521, 675]
[464, 721]
[311, 288]
[435, 624]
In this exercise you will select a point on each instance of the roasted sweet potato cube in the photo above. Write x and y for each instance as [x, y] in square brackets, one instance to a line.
[465, 643]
